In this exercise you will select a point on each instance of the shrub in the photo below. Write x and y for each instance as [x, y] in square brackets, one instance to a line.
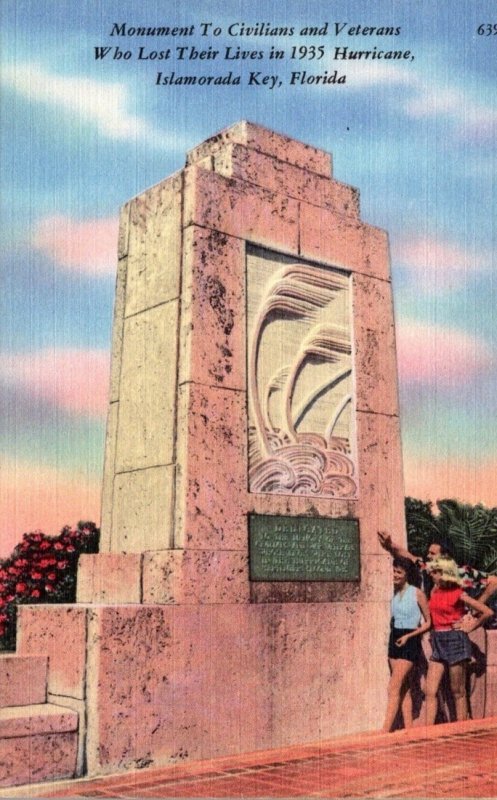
[42, 569]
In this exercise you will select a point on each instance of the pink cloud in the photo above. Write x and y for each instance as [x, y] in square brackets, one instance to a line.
[437, 263]
[73, 380]
[435, 355]
[35, 496]
[462, 479]
[87, 245]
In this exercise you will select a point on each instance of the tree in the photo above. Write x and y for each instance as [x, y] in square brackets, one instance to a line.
[420, 524]
[470, 531]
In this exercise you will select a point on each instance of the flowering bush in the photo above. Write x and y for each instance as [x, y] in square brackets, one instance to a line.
[42, 569]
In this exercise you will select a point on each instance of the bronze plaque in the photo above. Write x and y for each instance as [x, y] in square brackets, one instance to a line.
[303, 548]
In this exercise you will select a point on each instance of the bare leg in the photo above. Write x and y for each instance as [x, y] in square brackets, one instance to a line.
[433, 678]
[406, 694]
[400, 668]
[413, 690]
[457, 675]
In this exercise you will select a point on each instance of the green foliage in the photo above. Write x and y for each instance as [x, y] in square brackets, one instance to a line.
[470, 531]
[420, 524]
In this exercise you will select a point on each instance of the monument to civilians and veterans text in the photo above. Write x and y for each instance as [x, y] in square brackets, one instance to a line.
[240, 600]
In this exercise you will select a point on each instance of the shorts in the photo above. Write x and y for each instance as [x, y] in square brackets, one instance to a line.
[450, 647]
[411, 651]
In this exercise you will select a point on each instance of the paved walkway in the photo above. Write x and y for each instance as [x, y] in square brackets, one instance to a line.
[452, 760]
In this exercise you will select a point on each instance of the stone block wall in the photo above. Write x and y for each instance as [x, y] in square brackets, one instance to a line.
[176, 454]
[172, 651]
[185, 655]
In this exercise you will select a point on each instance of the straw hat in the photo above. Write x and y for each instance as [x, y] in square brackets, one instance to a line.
[448, 567]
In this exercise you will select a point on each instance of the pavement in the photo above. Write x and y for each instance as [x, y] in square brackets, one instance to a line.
[457, 760]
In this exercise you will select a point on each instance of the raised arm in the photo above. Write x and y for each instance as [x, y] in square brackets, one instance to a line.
[395, 549]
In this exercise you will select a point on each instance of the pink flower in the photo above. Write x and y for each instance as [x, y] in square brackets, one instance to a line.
[58, 546]
[36, 593]
[36, 575]
[49, 587]
[62, 564]
[52, 576]
[47, 562]
[20, 588]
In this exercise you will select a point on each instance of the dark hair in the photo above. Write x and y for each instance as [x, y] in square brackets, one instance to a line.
[412, 572]
[445, 546]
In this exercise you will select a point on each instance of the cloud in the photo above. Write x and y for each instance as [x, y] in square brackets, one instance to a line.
[425, 97]
[430, 354]
[460, 478]
[38, 496]
[89, 245]
[434, 101]
[437, 263]
[364, 74]
[73, 380]
[475, 122]
[104, 104]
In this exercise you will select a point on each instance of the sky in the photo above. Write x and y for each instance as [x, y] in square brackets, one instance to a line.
[80, 135]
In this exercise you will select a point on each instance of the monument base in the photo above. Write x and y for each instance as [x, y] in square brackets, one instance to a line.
[240, 600]
[164, 683]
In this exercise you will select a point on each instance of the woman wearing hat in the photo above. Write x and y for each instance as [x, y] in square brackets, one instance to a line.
[450, 643]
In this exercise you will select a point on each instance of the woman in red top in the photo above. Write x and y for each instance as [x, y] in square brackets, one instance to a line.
[449, 638]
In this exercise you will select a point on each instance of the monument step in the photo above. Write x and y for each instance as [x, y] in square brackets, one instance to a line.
[23, 680]
[37, 743]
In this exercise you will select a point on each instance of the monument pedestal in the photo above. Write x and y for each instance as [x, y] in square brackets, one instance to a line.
[253, 377]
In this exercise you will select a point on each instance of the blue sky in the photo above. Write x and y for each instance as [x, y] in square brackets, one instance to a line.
[80, 136]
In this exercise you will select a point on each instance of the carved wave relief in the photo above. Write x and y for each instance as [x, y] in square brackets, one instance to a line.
[300, 386]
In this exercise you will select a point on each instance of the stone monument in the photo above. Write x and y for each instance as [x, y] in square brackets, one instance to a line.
[240, 600]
